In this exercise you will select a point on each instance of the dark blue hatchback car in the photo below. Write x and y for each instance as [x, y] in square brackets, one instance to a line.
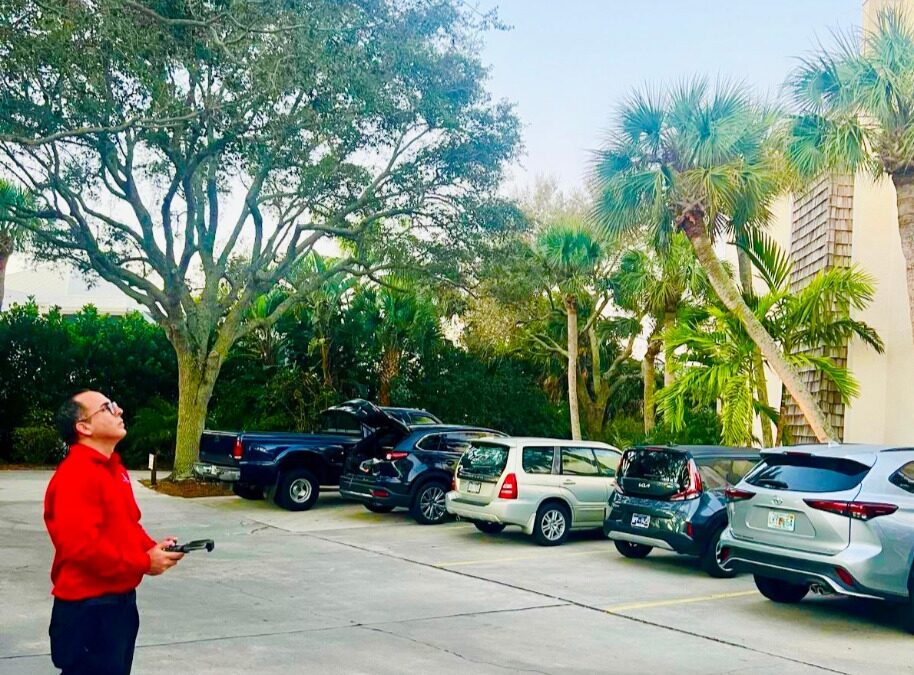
[672, 497]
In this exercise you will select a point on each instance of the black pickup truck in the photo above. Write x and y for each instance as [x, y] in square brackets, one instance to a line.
[291, 467]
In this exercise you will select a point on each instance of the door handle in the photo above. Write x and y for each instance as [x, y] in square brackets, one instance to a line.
[568, 482]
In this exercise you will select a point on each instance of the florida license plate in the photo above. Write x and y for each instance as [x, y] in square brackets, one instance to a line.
[474, 486]
[641, 520]
[779, 520]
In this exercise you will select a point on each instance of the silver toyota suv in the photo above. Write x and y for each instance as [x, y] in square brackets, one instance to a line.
[831, 519]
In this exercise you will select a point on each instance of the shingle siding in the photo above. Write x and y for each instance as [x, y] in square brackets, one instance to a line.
[821, 232]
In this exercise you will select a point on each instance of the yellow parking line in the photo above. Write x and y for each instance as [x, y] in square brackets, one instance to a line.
[679, 601]
[513, 559]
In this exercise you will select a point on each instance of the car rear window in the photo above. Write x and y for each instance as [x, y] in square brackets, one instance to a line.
[483, 459]
[718, 473]
[339, 422]
[807, 473]
[538, 460]
[663, 466]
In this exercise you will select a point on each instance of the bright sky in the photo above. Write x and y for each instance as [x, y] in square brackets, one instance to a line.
[567, 65]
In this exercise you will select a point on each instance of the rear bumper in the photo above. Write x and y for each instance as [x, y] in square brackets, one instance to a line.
[208, 471]
[815, 570]
[502, 511]
[370, 490]
[668, 526]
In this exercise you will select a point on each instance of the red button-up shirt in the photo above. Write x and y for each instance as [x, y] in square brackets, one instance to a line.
[94, 523]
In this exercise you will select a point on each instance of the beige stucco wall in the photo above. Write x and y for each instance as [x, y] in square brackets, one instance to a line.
[884, 411]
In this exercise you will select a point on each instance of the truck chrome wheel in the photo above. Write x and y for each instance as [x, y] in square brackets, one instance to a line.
[300, 490]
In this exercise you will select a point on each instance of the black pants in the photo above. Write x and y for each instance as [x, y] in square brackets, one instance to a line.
[94, 636]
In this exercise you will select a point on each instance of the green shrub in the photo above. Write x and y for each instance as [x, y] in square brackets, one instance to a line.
[152, 429]
[37, 445]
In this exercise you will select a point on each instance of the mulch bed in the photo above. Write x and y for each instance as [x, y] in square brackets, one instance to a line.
[190, 488]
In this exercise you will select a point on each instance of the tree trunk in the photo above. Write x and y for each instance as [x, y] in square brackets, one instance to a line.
[904, 195]
[649, 376]
[325, 364]
[692, 224]
[571, 309]
[4, 259]
[758, 364]
[669, 318]
[390, 367]
[781, 438]
[196, 382]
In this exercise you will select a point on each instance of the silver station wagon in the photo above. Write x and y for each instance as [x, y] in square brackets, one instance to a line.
[828, 519]
[547, 486]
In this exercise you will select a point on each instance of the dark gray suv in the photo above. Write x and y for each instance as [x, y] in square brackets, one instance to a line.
[672, 497]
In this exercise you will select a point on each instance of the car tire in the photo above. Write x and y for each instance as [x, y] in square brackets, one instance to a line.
[632, 550]
[296, 490]
[710, 559]
[552, 524]
[489, 528]
[781, 591]
[246, 491]
[429, 504]
[379, 508]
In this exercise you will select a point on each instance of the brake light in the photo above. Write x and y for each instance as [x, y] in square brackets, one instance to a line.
[855, 510]
[396, 454]
[724, 554]
[236, 451]
[690, 530]
[508, 487]
[454, 482]
[693, 489]
[382, 494]
[845, 576]
[736, 495]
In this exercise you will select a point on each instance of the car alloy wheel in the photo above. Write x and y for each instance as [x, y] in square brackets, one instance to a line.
[553, 524]
[431, 504]
[300, 490]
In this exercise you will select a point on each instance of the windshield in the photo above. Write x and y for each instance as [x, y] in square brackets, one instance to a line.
[807, 473]
[483, 459]
[662, 466]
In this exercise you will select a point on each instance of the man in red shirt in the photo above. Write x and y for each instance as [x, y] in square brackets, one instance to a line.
[101, 550]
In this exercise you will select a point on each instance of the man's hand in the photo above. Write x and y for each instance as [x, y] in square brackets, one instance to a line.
[161, 560]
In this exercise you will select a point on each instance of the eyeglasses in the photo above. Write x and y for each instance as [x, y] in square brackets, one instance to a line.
[111, 406]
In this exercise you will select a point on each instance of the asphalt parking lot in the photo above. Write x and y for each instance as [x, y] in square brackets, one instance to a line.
[338, 589]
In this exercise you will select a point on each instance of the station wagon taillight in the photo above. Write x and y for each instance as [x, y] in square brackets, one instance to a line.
[693, 489]
[855, 510]
[236, 451]
[508, 487]
[735, 495]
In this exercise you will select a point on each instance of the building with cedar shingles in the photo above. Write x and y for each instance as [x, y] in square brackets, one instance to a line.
[839, 221]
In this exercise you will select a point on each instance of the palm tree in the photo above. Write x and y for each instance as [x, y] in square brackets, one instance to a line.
[659, 287]
[12, 201]
[403, 320]
[719, 364]
[571, 254]
[698, 160]
[321, 308]
[856, 112]
[266, 343]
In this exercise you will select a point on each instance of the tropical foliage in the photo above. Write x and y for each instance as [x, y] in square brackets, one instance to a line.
[716, 365]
